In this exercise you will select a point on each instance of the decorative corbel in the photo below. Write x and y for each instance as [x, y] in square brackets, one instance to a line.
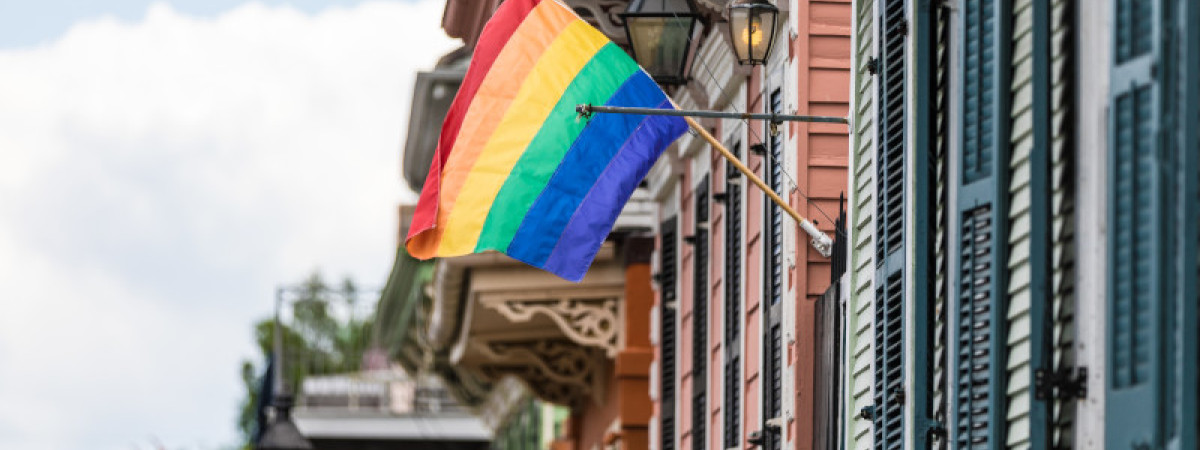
[591, 322]
[557, 370]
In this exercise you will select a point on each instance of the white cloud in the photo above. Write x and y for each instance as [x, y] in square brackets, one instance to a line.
[158, 179]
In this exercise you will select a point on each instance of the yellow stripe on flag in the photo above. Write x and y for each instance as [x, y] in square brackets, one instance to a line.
[546, 83]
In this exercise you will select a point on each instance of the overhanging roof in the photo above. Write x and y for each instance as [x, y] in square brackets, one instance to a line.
[432, 95]
[368, 426]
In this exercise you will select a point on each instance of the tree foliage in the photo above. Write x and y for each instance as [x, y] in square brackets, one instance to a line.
[320, 335]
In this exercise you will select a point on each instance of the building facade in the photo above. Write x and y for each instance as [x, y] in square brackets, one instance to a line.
[1020, 272]
[1013, 200]
[737, 280]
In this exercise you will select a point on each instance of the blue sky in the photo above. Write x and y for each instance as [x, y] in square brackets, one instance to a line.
[163, 166]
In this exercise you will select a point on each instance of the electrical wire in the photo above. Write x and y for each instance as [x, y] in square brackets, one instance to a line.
[760, 97]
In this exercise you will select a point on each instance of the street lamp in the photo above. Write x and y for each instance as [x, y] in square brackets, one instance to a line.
[752, 29]
[280, 433]
[660, 34]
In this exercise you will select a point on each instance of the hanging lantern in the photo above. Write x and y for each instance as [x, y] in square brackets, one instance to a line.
[660, 34]
[752, 26]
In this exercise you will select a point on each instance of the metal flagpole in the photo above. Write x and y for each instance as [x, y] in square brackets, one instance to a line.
[587, 110]
[820, 241]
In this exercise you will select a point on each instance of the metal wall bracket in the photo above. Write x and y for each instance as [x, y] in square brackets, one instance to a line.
[936, 428]
[1066, 384]
[867, 412]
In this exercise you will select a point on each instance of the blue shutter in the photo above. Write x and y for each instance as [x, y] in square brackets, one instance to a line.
[889, 235]
[1143, 296]
[773, 285]
[1189, 392]
[700, 318]
[924, 215]
[1065, 69]
[981, 214]
[893, 196]
[667, 278]
[940, 397]
[733, 304]
[1041, 256]
[1181, 161]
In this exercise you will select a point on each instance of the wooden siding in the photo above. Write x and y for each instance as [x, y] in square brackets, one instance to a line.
[862, 243]
[822, 57]
[1018, 366]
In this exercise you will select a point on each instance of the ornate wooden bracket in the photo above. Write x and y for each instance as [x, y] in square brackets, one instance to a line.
[604, 15]
[591, 322]
[556, 370]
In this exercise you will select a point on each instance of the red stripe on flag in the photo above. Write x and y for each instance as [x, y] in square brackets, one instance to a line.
[494, 37]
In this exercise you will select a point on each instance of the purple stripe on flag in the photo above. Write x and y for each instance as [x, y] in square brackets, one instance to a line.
[593, 220]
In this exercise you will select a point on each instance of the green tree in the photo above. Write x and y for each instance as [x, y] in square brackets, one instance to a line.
[321, 336]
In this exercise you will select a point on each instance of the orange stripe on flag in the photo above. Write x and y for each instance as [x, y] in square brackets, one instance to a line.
[501, 85]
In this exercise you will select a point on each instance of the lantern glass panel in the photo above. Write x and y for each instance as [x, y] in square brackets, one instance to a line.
[760, 34]
[740, 33]
[660, 44]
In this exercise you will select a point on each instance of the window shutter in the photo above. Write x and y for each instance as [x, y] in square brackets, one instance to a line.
[978, 318]
[1183, 184]
[668, 234]
[1039, 217]
[1136, 229]
[1189, 396]
[1064, 156]
[773, 286]
[700, 319]
[733, 304]
[889, 220]
[1151, 339]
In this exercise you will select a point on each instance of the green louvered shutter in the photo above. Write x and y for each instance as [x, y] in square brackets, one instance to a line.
[700, 318]
[979, 283]
[1137, 232]
[667, 278]
[733, 304]
[889, 233]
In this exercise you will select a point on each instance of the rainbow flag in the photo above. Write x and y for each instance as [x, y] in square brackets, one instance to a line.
[516, 170]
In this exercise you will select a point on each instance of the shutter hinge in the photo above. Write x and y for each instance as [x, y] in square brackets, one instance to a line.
[867, 412]
[872, 65]
[937, 429]
[896, 395]
[902, 28]
[1066, 384]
